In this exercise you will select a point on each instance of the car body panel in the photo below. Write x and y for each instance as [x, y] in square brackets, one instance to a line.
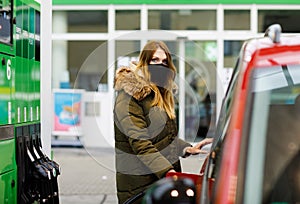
[256, 54]
[264, 85]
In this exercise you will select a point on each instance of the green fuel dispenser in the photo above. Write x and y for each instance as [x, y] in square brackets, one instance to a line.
[27, 175]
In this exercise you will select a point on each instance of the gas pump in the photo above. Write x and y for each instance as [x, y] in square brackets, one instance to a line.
[27, 174]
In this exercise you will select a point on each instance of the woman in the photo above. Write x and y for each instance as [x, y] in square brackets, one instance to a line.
[146, 142]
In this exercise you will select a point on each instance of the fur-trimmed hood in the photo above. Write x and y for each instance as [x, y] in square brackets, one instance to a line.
[132, 84]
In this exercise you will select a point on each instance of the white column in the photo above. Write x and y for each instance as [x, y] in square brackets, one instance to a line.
[220, 61]
[46, 75]
[181, 132]
[111, 59]
[254, 19]
[60, 50]
[144, 24]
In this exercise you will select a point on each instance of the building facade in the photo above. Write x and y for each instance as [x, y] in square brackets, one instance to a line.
[90, 39]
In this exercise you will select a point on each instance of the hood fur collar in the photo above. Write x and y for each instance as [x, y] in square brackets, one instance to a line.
[133, 84]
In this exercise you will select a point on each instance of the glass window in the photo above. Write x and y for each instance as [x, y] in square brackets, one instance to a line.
[280, 130]
[128, 20]
[87, 64]
[200, 78]
[83, 21]
[288, 19]
[182, 19]
[273, 143]
[236, 20]
[200, 62]
[126, 52]
[231, 52]
[220, 134]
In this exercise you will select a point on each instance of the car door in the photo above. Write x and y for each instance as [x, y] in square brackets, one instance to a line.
[212, 164]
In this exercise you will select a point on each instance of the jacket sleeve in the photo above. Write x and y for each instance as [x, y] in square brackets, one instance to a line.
[181, 147]
[133, 123]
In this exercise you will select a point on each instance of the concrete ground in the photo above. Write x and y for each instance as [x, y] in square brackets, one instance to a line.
[88, 175]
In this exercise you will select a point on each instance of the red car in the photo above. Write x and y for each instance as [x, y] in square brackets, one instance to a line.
[255, 156]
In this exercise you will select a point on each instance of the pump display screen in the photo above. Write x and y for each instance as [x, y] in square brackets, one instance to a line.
[5, 22]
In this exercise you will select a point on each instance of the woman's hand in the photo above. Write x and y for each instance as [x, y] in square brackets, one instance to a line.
[197, 148]
[204, 142]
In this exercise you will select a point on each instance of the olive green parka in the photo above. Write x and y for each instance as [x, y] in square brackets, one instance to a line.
[146, 142]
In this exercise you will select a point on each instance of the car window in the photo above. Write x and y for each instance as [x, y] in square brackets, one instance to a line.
[226, 106]
[231, 87]
[213, 163]
[273, 146]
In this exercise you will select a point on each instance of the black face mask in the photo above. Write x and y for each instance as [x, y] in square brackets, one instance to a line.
[160, 74]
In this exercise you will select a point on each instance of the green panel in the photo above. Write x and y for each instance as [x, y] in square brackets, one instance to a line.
[78, 2]
[5, 89]
[26, 71]
[30, 74]
[25, 88]
[37, 67]
[32, 3]
[19, 82]
[19, 91]
[25, 31]
[19, 25]
[7, 163]
[36, 81]
[8, 187]
[6, 48]
[25, 62]
[31, 91]
[13, 89]
[31, 31]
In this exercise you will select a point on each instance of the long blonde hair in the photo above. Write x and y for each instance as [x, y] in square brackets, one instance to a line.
[163, 99]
